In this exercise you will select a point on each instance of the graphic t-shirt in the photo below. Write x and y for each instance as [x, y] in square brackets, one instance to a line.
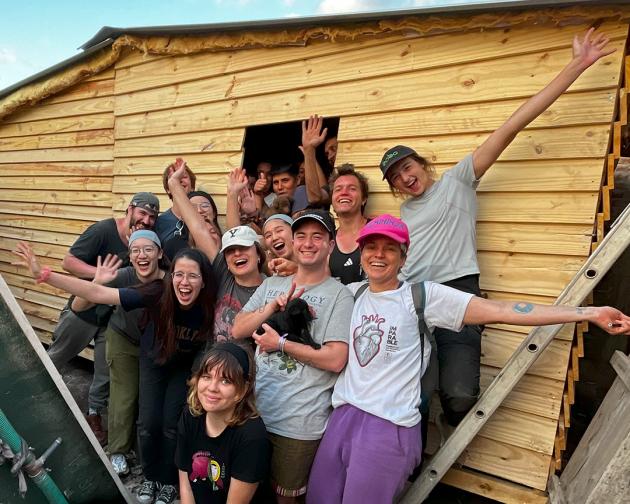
[166, 225]
[230, 299]
[442, 227]
[384, 363]
[294, 398]
[241, 452]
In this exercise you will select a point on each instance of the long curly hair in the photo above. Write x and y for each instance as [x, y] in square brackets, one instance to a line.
[164, 310]
[220, 358]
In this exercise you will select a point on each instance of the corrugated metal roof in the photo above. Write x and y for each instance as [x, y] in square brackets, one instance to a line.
[106, 35]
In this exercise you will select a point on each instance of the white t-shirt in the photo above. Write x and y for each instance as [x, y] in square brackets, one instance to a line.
[384, 365]
[294, 398]
[442, 227]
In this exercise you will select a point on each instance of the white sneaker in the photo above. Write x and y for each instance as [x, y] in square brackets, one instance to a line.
[146, 492]
[166, 495]
[119, 463]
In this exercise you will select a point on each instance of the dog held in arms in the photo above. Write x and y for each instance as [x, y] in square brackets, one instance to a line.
[293, 323]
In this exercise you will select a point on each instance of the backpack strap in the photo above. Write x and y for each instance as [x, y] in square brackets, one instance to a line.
[360, 291]
[418, 293]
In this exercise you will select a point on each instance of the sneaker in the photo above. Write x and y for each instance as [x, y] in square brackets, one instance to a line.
[94, 421]
[146, 492]
[119, 463]
[166, 495]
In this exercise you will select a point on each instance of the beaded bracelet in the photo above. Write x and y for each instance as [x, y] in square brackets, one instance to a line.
[43, 275]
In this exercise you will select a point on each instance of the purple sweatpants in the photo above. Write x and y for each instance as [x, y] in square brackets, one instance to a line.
[362, 459]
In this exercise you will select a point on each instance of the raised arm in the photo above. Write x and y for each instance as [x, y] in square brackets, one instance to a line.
[97, 294]
[485, 311]
[585, 53]
[194, 222]
[77, 267]
[312, 137]
[237, 188]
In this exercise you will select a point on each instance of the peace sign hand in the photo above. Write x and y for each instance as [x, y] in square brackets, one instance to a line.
[283, 299]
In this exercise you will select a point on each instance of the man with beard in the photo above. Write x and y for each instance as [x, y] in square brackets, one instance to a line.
[75, 330]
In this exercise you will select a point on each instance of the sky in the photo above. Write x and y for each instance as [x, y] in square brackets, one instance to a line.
[36, 34]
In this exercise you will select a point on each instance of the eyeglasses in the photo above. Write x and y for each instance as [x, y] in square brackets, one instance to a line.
[179, 228]
[148, 250]
[203, 206]
[191, 277]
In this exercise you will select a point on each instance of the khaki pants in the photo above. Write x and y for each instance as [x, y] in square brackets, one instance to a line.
[122, 359]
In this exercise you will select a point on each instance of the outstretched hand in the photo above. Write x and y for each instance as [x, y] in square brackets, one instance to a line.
[237, 181]
[312, 134]
[106, 268]
[177, 172]
[611, 320]
[588, 51]
[27, 258]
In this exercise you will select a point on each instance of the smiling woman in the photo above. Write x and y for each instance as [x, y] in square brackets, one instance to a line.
[222, 447]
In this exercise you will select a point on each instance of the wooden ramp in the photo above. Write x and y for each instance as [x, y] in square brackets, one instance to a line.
[41, 409]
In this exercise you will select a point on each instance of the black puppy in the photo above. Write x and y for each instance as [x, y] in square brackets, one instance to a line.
[293, 322]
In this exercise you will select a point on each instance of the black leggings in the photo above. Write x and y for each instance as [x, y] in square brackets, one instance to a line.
[457, 367]
[161, 402]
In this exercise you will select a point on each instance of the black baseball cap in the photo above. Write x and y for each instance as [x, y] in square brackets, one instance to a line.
[322, 217]
[146, 200]
[393, 155]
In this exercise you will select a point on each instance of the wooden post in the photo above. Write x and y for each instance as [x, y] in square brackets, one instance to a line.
[599, 470]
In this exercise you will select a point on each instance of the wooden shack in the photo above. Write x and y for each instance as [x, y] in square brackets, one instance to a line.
[78, 141]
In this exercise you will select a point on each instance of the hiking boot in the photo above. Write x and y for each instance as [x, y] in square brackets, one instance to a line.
[166, 495]
[146, 492]
[94, 421]
[119, 463]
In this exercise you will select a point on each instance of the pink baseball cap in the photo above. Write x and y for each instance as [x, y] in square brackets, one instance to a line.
[385, 225]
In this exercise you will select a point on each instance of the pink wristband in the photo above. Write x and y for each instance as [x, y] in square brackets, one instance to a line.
[43, 275]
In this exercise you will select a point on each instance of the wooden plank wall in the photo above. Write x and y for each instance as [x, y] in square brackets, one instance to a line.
[56, 162]
[440, 94]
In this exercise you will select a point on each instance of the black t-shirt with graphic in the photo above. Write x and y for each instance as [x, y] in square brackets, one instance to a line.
[241, 452]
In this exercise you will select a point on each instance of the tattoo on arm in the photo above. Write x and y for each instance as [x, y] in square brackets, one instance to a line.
[523, 307]
[579, 310]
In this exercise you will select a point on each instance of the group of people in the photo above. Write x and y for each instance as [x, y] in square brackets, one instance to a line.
[224, 403]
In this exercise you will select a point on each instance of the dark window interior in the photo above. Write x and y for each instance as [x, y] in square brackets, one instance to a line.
[279, 144]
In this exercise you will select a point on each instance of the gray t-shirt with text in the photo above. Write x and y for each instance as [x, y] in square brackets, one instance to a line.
[294, 399]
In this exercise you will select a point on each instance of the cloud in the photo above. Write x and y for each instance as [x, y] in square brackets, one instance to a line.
[292, 15]
[346, 6]
[7, 55]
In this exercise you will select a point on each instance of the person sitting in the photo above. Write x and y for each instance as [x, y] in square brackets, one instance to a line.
[222, 448]
[373, 439]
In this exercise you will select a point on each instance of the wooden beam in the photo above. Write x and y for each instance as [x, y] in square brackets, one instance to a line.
[58, 125]
[89, 198]
[617, 139]
[610, 171]
[575, 363]
[621, 364]
[69, 168]
[83, 90]
[76, 139]
[606, 203]
[55, 110]
[492, 488]
[97, 184]
[204, 163]
[98, 153]
[85, 213]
